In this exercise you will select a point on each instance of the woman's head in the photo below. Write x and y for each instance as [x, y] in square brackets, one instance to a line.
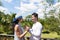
[17, 20]
[20, 19]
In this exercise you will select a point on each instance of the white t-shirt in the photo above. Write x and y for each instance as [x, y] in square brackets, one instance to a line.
[36, 31]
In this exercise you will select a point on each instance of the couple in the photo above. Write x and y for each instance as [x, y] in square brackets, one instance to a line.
[35, 31]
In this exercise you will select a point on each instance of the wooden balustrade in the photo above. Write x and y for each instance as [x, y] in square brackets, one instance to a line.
[11, 37]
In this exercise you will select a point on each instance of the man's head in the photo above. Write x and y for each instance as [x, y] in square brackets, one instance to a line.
[34, 17]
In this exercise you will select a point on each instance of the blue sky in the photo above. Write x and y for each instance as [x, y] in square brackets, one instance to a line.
[10, 5]
[25, 7]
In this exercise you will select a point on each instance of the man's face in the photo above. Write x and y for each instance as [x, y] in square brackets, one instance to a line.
[33, 18]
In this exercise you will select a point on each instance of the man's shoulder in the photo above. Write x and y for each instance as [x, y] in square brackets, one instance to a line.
[39, 23]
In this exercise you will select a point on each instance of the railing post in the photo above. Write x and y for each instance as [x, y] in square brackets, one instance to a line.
[5, 38]
[0, 37]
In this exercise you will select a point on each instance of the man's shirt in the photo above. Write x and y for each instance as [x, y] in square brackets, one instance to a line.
[36, 31]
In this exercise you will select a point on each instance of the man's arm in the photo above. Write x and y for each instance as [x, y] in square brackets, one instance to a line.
[37, 31]
[30, 31]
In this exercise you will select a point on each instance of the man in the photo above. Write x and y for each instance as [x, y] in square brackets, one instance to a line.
[36, 29]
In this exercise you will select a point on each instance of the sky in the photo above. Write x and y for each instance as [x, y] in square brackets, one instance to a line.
[24, 7]
[11, 4]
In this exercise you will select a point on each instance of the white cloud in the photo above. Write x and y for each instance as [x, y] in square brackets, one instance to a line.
[57, 5]
[9, 1]
[40, 12]
[34, 6]
[30, 6]
[25, 1]
[2, 8]
[36, 1]
[26, 8]
[39, 6]
[17, 7]
[32, 1]
[5, 10]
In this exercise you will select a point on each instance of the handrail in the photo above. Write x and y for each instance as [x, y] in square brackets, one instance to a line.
[5, 37]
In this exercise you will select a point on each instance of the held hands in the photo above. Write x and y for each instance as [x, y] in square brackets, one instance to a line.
[27, 28]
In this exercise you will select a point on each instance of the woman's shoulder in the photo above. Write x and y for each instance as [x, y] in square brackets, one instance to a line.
[16, 25]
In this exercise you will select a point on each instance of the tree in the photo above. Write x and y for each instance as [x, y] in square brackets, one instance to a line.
[27, 21]
[6, 22]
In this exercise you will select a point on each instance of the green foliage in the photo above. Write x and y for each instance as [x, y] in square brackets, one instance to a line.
[50, 24]
[27, 21]
[5, 22]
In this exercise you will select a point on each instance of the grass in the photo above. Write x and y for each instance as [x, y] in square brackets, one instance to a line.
[50, 35]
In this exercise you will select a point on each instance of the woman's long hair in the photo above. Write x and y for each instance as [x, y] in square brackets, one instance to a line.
[13, 24]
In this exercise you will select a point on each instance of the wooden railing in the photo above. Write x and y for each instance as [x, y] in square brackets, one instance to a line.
[44, 38]
[11, 37]
[6, 37]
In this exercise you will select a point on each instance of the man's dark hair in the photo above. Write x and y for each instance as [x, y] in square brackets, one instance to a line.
[35, 15]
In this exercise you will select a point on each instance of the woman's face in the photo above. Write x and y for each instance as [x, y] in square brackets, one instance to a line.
[20, 20]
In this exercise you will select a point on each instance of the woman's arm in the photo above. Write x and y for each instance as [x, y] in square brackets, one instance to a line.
[18, 32]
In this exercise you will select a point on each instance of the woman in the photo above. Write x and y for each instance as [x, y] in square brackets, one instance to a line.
[18, 30]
